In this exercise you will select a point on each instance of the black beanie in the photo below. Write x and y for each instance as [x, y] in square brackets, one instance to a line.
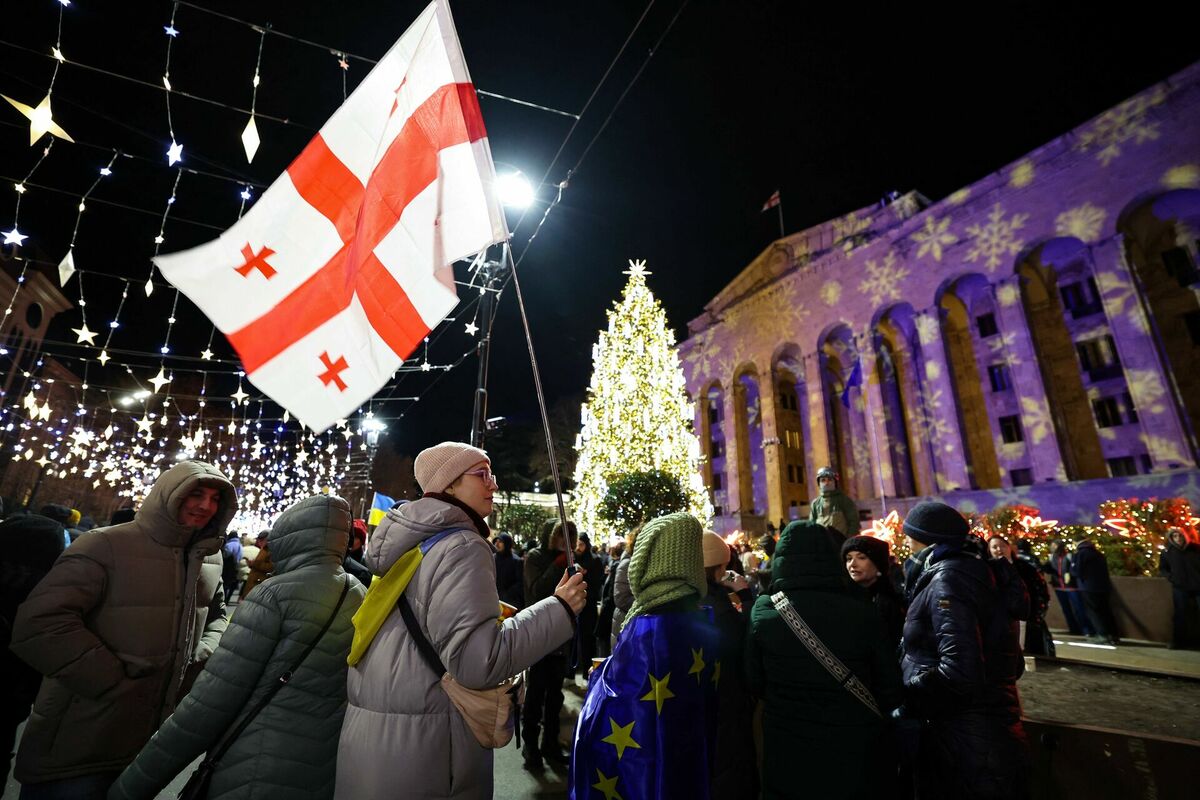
[935, 523]
[872, 548]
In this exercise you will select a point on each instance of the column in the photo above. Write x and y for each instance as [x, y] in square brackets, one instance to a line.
[816, 444]
[882, 478]
[768, 393]
[704, 431]
[1040, 439]
[936, 401]
[737, 461]
[1145, 374]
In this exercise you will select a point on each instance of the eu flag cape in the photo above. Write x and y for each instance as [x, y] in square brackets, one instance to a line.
[648, 725]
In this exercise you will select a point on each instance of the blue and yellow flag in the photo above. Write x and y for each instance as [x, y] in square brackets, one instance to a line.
[648, 724]
[379, 506]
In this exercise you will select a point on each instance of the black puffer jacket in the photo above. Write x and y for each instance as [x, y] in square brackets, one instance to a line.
[960, 642]
[510, 583]
[1091, 568]
[962, 657]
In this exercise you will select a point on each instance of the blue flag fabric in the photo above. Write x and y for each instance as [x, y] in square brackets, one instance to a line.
[855, 379]
[379, 508]
[648, 725]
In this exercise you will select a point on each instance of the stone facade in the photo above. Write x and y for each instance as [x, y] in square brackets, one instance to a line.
[1034, 336]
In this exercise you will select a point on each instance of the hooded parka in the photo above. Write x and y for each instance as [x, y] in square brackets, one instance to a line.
[290, 749]
[402, 737]
[812, 726]
[121, 624]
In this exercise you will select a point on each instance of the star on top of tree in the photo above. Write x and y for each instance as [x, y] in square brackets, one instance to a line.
[637, 268]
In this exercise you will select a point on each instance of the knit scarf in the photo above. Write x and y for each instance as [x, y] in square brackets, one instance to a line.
[667, 563]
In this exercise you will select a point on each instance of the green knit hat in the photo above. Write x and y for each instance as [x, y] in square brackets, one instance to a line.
[667, 563]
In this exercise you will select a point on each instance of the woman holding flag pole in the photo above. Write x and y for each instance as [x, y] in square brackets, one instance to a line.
[435, 602]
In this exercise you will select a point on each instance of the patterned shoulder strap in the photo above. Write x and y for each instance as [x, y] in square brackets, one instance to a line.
[840, 672]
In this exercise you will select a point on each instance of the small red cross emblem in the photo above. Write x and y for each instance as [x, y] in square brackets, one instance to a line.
[256, 262]
[332, 368]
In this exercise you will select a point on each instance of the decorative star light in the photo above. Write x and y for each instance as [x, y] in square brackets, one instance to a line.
[207, 354]
[58, 56]
[637, 268]
[239, 396]
[250, 140]
[160, 380]
[103, 358]
[170, 30]
[472, 328]
[41, 120]
[66, 267]
[41, 461]
[145, 424]
[426, 366]
[245, 193]
[84, 335]
[105, 171]
[20, 187]
[174, 153]
[14, 237]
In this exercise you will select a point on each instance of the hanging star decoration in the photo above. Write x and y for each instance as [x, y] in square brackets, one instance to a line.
[84, 335]
[66, 267]
[170, 30]
[239, 396]
[145, 424]
[41, 120]
[250, 140]
[160, 380]
[174, 153]
[14, 237]
[103, 358]
[472, 328]
[207, 354]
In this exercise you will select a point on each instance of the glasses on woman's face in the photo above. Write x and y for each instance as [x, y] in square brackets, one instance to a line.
[485, 475]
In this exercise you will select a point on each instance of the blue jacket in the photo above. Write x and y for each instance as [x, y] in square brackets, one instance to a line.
[962, 649]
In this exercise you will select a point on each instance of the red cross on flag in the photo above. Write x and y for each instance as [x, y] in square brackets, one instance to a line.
[342, 267]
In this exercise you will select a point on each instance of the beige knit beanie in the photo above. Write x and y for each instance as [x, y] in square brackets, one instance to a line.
[716, 552]
[439, 466]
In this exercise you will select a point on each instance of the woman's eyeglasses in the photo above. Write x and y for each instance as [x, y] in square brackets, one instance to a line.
[484, 475]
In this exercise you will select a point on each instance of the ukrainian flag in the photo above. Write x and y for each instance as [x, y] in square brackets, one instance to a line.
[379, 506]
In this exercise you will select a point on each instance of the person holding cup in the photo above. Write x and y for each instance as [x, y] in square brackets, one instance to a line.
[735, 707]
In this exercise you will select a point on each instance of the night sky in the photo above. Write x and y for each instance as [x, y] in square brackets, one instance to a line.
[833, 106]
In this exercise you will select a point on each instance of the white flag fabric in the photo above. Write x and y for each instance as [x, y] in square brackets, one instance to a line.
[342, 267]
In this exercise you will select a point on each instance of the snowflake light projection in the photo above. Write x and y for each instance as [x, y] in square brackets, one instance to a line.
[934, 237]
[883, 279]
[1127, 122]
[1082, 222]
[996, 239]
[831, 293]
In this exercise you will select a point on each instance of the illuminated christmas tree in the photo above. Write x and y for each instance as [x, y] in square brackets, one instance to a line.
[637, 416]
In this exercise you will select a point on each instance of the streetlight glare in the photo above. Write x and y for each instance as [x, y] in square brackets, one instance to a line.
[515, 191]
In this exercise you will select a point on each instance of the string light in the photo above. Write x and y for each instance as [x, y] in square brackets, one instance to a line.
[250, 140]
[175, 151]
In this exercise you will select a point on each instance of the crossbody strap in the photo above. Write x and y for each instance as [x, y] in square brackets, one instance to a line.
[410, 619]
[840, 672]
[235, 731]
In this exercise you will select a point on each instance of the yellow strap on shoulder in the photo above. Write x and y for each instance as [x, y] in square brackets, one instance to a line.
[381, 599]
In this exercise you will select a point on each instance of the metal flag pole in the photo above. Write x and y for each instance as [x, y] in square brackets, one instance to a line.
[541, 398]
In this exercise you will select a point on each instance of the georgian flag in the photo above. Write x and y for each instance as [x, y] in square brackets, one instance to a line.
[342, 267]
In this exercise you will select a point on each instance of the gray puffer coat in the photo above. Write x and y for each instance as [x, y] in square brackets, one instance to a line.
[290, 749]
[402, 736]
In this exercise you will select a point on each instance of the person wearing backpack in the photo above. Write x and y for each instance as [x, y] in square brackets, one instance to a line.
[403, 735]
[288, 749]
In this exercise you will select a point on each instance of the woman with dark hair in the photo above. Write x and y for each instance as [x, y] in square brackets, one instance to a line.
[868, 561]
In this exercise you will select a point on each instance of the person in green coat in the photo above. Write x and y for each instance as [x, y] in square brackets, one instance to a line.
[290, 749]
[815, 732]
[834, 509]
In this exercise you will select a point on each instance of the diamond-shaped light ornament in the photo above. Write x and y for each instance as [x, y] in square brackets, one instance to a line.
[66, 268]
[250, 139]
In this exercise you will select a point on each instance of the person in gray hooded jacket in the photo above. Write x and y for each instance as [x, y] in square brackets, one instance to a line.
[289, 750]
[402, 736]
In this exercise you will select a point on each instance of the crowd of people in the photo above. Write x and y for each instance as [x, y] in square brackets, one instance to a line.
[821, 667]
